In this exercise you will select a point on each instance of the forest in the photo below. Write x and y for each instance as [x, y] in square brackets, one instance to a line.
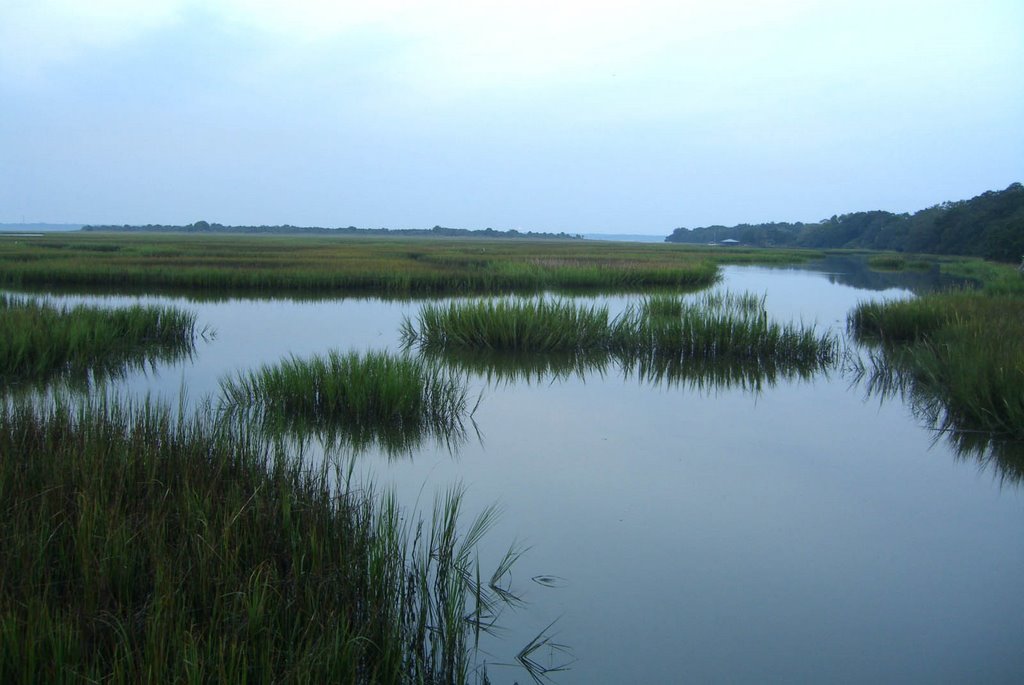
[990, 226]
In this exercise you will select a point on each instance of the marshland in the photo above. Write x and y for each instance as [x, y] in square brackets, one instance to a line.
[636, 471]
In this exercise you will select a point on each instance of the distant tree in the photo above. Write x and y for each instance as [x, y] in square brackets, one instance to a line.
[990, 225]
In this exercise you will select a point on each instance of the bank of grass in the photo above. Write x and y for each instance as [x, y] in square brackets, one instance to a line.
[965, 349]
[347, 266]
[992, 278]
[895, 262]
[42, 341]
[355, 399]
[139, 547]
[714, 327]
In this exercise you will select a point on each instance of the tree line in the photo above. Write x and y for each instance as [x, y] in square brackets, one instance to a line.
[286, 229]
[990, 225]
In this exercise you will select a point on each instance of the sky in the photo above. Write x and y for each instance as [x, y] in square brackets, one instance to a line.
[586, 117]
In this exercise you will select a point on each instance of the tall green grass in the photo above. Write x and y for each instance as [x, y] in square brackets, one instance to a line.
[394, 401]
[716, 327]
[509, 325]
[346, 266]
[39, 341]
[889, 373]
[140, 547]
[965, 349]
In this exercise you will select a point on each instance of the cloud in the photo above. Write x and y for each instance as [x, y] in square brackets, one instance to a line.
[39, 34]
[452, 41]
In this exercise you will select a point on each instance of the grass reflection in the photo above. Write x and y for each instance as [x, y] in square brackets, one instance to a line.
[891, 374]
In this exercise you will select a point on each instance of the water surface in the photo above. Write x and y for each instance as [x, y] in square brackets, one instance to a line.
[804, 532]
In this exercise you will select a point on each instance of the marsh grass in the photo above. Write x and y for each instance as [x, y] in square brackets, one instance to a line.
[140, 547]
[346, 266]
[723, 330]
[509, 325]
[356, 400]
[890, 374]
[887, 262]
[965, 350]
[718, 337]
[40, 342]
[892, 262]
[993, 278]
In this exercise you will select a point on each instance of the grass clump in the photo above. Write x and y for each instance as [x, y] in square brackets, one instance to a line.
[509, 325]
[359, 399]
[965, 350]
[140, 547]
[720, 327]
[40, 341]
[661, 331]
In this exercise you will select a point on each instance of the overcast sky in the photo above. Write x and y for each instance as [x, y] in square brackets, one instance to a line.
[631, 117]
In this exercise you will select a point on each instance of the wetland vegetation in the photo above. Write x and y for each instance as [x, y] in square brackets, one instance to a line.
[964, 349]
[136, 541]
[662, 330]
[895, 262]
[140, 546]
[42, 341]
[353, 399]
[340, 266]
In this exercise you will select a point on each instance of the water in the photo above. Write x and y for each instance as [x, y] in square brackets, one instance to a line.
[803, 533]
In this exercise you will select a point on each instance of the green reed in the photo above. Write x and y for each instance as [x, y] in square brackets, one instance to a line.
[660, 332]
[509, 325]
[720, 326]
[41, 341]
[891, 262]
[394, 401]
[889, 373]
[964, 348]
[142, 547]
[345, 265]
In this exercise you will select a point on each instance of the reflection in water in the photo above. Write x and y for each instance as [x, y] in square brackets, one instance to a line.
[886, 377]
[817, 551]
[671, 371]
[337, 435]
[712, 375]
[110, 369]
[854, 271]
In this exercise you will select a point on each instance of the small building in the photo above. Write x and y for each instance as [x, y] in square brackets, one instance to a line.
[729, 242]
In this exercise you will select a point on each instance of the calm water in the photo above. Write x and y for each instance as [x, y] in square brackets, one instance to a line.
[803, 533]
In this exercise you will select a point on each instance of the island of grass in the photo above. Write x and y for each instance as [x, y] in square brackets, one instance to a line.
[663, 330]
[357, 400]
[41, 341]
